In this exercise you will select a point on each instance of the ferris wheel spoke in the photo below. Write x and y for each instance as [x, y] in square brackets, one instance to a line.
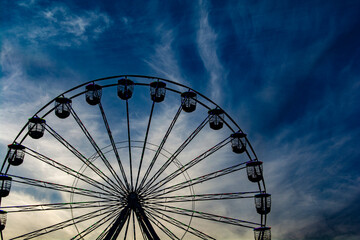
[158, 151]
[95, 225]
[142, 232]
[202, 197]
[62, 188]
[133, 218]
[67, 170]
[197, 180]
[66, 223]
[129, 143]
[204, 215]
[106, 230]
[83, 159]
[97, 149]
[127, 227]
[114, 147]
[175, 154]
[60, 206]
[115, 229]
[181, 225]
[189, 165]
[162, 227]
[146, 228]
[145, 141]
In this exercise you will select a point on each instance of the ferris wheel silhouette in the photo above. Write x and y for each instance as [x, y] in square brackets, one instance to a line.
[140, 157]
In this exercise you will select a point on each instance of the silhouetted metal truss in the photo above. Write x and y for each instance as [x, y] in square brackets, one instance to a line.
[68, 223]
[61, 187]
[203, 215]
[123, 201]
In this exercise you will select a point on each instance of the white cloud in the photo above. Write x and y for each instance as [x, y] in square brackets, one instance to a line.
[22, 220]
[16, 92]
[61, 26]
[27, 3]
[207, 47]
[164, 60]
[306, 177]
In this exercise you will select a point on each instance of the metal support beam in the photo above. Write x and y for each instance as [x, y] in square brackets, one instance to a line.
[145, 223]
[119, 223]
[133, 204]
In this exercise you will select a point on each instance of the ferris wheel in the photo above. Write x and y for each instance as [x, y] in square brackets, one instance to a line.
[132, 157]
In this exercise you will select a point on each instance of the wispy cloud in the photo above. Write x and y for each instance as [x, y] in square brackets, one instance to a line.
[164, 59]
[296, 97]
[61, 26]
[19, 198]
[207, 47]
[309, 167]
[25, 81]
[16, 90]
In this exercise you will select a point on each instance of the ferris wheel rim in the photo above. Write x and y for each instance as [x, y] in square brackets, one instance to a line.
[142, 77]
[215, 106]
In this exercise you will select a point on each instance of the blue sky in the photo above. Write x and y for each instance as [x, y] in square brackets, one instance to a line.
[286, 71]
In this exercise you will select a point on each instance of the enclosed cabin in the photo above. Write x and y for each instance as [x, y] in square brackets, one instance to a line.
[5, 184]
[188, 101]
[3, 216]
[254, 171]
[93, 94]
[216, 120]
[36, 127]
[238, 142]
[157, 91]
[62, 107]
[125, 88]
[262, 233]
[16, 154]
[263, 203]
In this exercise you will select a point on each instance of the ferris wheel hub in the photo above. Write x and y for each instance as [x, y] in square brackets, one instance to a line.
[133, 200]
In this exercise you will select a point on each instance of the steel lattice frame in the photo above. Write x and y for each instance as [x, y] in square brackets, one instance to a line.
[137, 196]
